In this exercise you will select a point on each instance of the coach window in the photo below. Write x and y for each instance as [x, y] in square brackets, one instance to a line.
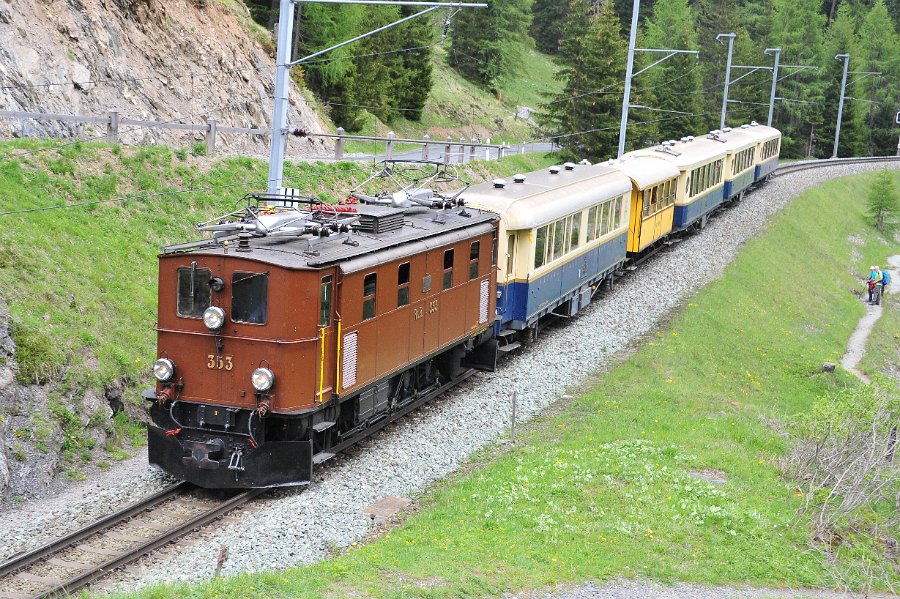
[403, 284]
[576, 230]
[448, 269]
[370, 285]
[510, 254]
[193, 291]
[325, 302]
[617, 206]
[559, 237]
[592, 224]
[540, 246]
[249, 297]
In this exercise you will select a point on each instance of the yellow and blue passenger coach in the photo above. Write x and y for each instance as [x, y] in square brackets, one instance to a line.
[562, 232]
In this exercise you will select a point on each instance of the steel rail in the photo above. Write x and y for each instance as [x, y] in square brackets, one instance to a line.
[811, 164]
[82, 580]
[94, 573]
[23, 561]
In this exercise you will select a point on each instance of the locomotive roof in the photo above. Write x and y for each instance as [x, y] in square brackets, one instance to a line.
[544, 196]
[645, 171]
[426, 228]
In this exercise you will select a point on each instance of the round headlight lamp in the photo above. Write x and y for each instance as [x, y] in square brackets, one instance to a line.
[164, 369]
[262, 379]
[214, 318]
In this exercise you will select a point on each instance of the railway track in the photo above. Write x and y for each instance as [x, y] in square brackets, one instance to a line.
[77, 560]
[804, 165]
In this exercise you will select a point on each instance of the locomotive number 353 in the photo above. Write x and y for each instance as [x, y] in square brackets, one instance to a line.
[214, 362]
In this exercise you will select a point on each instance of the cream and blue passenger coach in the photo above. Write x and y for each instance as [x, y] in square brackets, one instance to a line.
[768, 147]
[562, 232]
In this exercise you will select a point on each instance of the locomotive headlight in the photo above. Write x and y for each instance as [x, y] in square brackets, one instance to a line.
[262, 379]
[214, 318]
[163, 369]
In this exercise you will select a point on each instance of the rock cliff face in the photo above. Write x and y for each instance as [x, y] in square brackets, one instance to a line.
[178, 60]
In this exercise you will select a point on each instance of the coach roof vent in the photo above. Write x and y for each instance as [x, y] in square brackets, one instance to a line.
[554, 170]
[754, 124]
[685, 139]
[518, 178]
[569, 166]
[745, 126]
[584, 162]
[499, 183]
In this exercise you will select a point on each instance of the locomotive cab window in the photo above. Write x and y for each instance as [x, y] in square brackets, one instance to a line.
[448, 269]
[193, 292]
[474, 252]
[403, 284]
[370, 285]
[325, 302]
[249, 297]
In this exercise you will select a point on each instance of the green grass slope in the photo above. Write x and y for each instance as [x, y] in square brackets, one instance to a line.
[78, 266]
[454, 100]
[610, 487]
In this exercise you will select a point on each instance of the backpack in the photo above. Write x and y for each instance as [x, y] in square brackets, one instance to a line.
[886, 278]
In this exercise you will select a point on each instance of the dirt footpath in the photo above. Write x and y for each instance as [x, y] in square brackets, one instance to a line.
[856, 346]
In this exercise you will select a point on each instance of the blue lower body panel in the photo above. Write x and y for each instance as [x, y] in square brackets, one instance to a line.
[687, 214]
[521, 304]
[765, 169]
[739, 184]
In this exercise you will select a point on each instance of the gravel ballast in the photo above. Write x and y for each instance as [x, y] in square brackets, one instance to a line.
[294, 527]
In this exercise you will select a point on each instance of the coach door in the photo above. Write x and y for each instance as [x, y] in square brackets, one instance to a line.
[429, 310]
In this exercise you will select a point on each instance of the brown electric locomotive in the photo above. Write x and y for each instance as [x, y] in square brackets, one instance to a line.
[299, 328]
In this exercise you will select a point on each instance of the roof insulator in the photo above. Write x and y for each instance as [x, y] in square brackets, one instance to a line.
[569, 166]
[499, 183]
[554, 170]
[518, 178]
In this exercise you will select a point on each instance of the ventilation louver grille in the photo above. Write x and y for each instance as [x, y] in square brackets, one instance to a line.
[348, 360]
[381, 221]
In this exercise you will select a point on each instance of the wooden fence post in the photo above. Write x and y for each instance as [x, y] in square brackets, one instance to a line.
[339, 144]
[112, 125]
[389, 151]
[425, 138]
[210, 136]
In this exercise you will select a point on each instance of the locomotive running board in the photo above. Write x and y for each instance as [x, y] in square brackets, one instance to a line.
[324, 456]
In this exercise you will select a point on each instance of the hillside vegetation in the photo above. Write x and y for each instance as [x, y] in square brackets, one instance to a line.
[78, 267]
[620, 484]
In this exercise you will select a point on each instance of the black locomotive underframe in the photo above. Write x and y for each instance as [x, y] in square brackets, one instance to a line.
[222, 447]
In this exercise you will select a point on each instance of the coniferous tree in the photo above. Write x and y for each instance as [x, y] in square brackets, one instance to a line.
[882, 202]
[584, 116]
[487, 42]
[797, 27]
[714, 17]
[548, 17]
[413, 89]
[676, 81]
[878, 97]
[840, 39]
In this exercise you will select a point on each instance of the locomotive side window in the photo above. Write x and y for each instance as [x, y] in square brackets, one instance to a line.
[193, 292]
[494, 250]
[403, 284]
[448, 269]
[474, 252]
[370, 285]
[249, 297]
[325, 302]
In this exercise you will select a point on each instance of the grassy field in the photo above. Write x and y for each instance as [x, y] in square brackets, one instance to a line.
[669, 466]
[454, 100]
[80, 278]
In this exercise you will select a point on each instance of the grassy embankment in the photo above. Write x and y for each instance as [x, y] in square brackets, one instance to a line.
[455, 100]
[80, 282]
[609, 487]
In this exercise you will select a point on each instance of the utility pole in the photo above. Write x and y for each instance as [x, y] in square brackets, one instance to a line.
[283, 64]
[628, 69]
[777, 52]
[837, 130]
[730, 37]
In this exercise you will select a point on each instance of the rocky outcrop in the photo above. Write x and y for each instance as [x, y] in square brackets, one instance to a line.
[178, 61]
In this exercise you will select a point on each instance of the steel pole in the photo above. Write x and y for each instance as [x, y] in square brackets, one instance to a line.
[730, 37]
[837, 129]
[777, 52]
[628, 69]
[282, 86]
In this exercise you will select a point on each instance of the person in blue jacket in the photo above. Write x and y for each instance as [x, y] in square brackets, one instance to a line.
[875, 279]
